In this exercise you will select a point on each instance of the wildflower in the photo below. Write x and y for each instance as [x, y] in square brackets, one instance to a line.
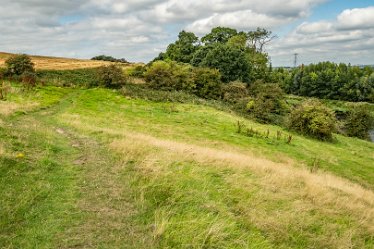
[20, 155]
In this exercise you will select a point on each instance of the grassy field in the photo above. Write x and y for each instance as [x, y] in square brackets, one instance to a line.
[91, 168]
[56, 63]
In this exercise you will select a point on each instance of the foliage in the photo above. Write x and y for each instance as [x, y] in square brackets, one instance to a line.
[29, 79]
[184, 48]
[233, 53]
[330, 81]
[138, 71]
[234, 91]
[259, 38]
[76, 77]
[268, 102]
[19, 64]
[219, 35]
[207, 83]
[110, 76]
[169, 75]
[359, 121]
[230, 61]
[314, 119]
[109, 58]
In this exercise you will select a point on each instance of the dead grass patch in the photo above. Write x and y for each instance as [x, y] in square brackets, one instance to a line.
[2, 150]
[8, 108]
[324, 191]
[57, 63]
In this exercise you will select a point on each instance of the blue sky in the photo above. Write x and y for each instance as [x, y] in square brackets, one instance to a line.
[319, 30]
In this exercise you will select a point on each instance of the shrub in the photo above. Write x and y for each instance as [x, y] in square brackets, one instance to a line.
[19, 64]
[359, 122]
[234, 91]
[313, 118]
[138, 71]
[169, 75]
[268, 103]
[29, 79]
[110, 76]
[208, 83]
[74, 77]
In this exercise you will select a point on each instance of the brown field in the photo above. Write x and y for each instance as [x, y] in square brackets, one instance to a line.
[57, 63]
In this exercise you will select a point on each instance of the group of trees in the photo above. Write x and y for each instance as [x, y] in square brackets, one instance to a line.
[109, 58]
[237, 55]
[249, 84]
[328, 80]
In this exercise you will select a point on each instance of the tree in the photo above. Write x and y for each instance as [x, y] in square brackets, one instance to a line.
[219, 35]
[238, 41]
[259, 38]
[108, 58]
[19, 64]
[230, 61]
[184, 48]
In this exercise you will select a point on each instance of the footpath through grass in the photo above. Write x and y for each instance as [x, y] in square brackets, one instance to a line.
[92, 169]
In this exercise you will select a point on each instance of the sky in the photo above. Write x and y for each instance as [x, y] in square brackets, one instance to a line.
[138, 30]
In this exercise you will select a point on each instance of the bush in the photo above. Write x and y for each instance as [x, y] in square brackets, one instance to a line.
[169, 75]
[75, 77]
[19, 64]
[138, 71]
[110, 76]
[29, 79]
[234, 91]
[359, 122]
[314, 119]
[268, 103]
[208, 83]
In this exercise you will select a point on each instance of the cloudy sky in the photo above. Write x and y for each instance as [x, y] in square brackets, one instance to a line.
[335, 30]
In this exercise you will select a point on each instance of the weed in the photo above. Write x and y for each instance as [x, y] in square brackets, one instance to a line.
[315, 164]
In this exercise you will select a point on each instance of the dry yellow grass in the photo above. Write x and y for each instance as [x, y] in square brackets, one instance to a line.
[2, 150]
[323, 190]
[57, 63]
[7, 108]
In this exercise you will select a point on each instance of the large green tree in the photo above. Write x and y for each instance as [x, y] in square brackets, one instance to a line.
[219, 35]
[184, 48]
[230, 61]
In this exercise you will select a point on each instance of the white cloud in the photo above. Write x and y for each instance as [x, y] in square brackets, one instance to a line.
[139, 29]
[356, 18]
[348, 38]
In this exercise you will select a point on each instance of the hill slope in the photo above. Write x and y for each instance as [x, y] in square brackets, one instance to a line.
[57, 63]
[92, 169]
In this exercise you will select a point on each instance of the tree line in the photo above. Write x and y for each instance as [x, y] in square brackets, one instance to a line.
[328, 80]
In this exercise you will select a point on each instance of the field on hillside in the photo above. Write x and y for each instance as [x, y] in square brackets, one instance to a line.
[56, 63]
[91, 168]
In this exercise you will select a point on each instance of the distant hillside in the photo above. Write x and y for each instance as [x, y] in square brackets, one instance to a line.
[57, 63]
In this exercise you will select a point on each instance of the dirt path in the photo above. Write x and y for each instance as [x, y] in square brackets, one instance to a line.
[103, 207]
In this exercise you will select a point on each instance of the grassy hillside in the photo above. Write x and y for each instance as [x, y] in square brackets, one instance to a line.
[56, 63]
[96, 169]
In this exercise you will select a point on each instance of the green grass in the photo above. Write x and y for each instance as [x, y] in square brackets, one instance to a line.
[348, 157]
[100, 170]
